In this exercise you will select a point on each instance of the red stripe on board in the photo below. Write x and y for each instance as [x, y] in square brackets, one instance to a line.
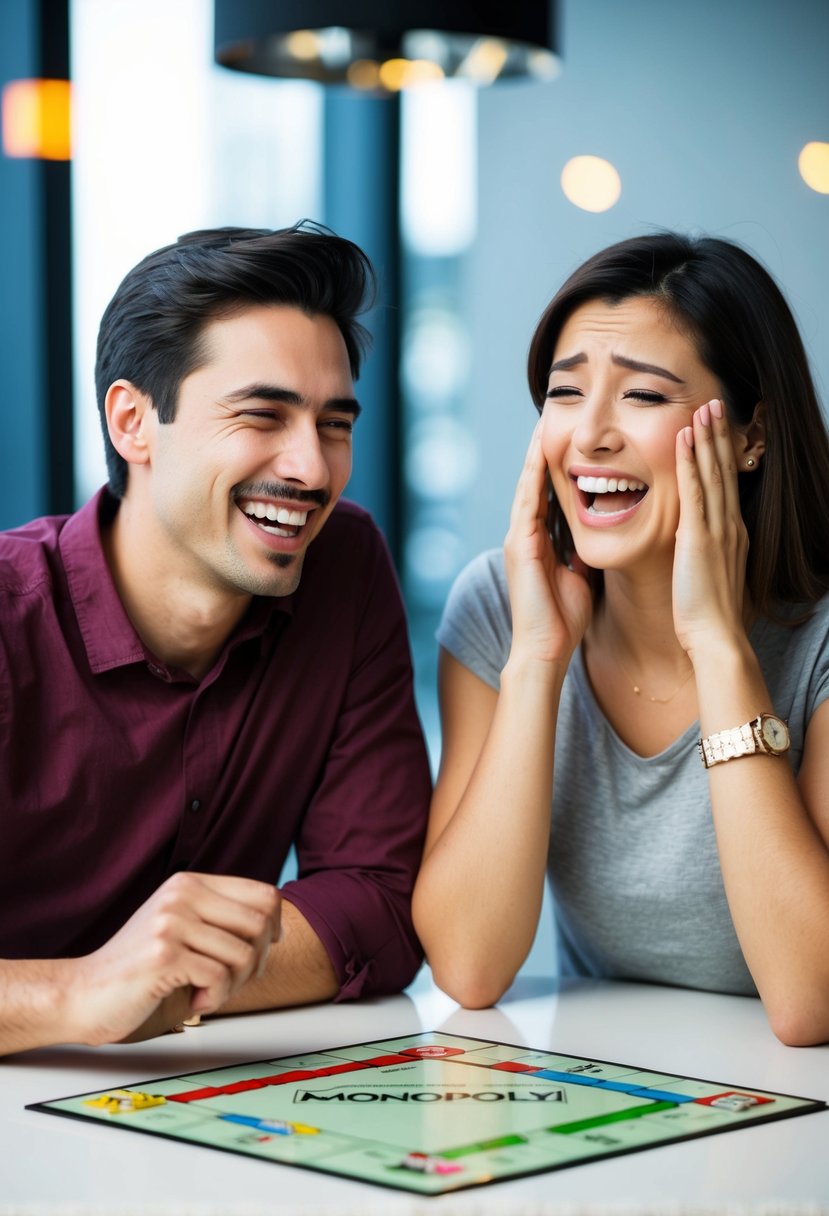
[194, 1095]
[338, 1068]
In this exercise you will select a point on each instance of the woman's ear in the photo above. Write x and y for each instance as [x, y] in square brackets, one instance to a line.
[127, 410]
[750, 441]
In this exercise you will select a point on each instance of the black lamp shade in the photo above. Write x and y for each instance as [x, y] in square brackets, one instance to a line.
[336, 42]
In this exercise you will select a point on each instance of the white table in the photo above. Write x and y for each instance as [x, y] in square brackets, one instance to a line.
[50, 1165]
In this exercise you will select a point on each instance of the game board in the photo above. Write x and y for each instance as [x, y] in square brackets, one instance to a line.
[431, 1112]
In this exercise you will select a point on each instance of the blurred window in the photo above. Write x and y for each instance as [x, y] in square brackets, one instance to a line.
[166, 142]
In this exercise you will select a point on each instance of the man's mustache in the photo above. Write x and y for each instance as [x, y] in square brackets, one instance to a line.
[276, 489]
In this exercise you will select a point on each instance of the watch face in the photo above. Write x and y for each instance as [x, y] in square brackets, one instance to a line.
[775, 733]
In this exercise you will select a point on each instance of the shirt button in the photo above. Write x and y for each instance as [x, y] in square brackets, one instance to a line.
[195, 805]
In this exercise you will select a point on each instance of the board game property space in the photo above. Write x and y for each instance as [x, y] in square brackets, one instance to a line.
[432, 1112]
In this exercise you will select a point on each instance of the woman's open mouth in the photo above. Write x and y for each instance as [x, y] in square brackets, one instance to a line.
[609, 498]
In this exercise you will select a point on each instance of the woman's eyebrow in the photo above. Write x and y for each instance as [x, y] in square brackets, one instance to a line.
[636, 366]
[564, 365]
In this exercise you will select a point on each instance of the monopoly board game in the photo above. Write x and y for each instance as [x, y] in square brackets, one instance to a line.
[431, 1112]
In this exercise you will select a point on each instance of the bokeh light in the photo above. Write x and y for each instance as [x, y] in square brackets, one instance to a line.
[591, 183]
[813, 164]
[364, 74]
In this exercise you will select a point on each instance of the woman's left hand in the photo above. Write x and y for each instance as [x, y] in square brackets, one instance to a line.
[711, 540]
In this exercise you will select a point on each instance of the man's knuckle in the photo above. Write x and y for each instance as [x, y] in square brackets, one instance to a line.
[161, 948]
[165, 924]
[182, 883]
[247, 956]
[174, 891]
[267, 902]
[215, 973]
[259, 922]
[215, 977]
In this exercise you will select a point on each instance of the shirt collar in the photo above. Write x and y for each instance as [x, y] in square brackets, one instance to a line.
[108, 634]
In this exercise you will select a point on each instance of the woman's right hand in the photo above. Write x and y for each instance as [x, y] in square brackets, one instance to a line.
[551, 604]
[497, 761]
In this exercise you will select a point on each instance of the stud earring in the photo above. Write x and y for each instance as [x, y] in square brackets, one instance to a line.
[749, 463]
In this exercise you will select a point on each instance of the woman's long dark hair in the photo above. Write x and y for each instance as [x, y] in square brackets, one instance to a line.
[746, 336]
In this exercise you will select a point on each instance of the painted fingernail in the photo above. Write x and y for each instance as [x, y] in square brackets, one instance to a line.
[716, 407]
[705, 415]
[689, 436]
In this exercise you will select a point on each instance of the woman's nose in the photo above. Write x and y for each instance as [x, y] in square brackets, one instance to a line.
[597, 426]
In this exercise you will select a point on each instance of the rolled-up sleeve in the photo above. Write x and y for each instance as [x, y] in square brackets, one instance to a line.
[361, 840]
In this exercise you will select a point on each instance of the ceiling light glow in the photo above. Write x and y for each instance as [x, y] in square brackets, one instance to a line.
[364, 74]
[303, 44]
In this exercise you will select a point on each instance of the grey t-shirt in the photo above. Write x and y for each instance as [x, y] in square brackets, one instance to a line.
[633, 863]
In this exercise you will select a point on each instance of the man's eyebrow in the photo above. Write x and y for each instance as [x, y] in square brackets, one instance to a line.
[287, 396]
[564, 365]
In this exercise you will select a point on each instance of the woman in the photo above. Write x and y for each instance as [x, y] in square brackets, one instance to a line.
[663, 582]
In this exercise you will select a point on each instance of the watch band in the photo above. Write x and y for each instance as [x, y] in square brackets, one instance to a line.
[728, 744]
[745, 740]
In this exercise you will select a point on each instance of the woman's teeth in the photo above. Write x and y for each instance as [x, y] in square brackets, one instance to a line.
[608, 485]
[611, 495]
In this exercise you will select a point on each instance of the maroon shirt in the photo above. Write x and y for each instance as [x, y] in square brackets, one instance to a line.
[116, 771]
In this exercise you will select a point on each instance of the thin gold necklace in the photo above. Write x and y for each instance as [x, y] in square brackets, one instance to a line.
[638, 690]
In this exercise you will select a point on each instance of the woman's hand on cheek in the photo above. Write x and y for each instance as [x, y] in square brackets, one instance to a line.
[711, 540]
[551, 605]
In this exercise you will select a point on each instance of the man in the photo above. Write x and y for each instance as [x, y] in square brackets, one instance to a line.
[207, 664]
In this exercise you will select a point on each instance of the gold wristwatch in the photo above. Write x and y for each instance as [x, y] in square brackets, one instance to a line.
[767, 734]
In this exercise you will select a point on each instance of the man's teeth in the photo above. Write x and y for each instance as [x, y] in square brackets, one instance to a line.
[608, 485]
[278, 515]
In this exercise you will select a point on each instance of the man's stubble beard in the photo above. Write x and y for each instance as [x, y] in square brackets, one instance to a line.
[287, 570]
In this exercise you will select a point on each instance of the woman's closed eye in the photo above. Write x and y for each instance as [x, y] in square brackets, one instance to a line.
[646, 396]
[649, 396]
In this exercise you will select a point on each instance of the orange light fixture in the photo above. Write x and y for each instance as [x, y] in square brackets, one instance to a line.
[37, 119]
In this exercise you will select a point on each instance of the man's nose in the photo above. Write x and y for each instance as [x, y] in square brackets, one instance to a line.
[299, 456]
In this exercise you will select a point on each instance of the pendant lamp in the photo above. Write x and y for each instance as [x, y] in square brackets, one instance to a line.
[385, 45]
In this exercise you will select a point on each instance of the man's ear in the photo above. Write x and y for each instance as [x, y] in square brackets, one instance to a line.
[750, 441]
[128, 412]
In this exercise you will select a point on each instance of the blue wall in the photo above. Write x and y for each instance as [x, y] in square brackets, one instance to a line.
[703, 107]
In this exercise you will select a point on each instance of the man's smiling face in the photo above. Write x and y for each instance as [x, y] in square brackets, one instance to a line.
[259, 451]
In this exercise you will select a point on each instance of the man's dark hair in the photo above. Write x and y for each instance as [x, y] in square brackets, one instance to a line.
[745, 334]
[151, 332]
